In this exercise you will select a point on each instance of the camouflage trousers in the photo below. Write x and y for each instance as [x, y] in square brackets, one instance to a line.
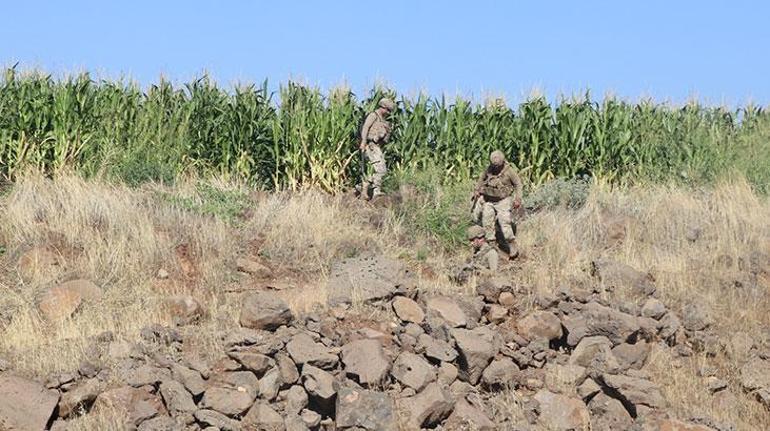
[486, 258]
[499, 212]
[376, 159]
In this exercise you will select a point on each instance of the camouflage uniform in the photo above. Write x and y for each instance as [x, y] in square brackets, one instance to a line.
[499, 185]
[374, 133]
[485, 258]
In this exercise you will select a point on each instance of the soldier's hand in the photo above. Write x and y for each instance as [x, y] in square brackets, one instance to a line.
[476, 194]
[516, 203]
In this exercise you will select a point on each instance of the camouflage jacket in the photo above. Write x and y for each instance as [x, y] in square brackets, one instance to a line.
[500, 186]
[376, 129]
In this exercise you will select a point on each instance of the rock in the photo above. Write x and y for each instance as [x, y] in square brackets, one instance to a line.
[596, 319]
[362, 409]
[176, 397]
[252, 267]
[253, 361]
[739, 346]
[217, 420]
[62, 301]
[365, 359]
[467, 417]
[137, 405]
[161, 423]
[366, 279]
[489, 289]
[500, 374]
[755, 375]
[437, 350]
[447, 374]
[190, 379]
[38, 259]
[677, 425]
[696, 316]
[669, 326]
[303, 350]
[295, 423]
[184, 309]
[25, 404]
[653, 308]
[265, 311]
[448, 310]
[588, 389]
[320, 386]
[79, 397]
[310, 418]
[507, 299]
[231, 393]
[540, 324]
[497, 314]
[564, 378]
[289, 373]
[413, 371]
[595, 353]
[618, 276]
[559, 412]
[631, 355]
[270, 384]
[262, 417]
[296, 399]
[428, 408]
[477, 348]
[715, 385]
[609, 414]
[407, 310]
[634, 391]
[145, 375]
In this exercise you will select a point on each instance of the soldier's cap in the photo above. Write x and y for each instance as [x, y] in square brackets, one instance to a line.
[474, 232]
[387, 104]
[497, 158]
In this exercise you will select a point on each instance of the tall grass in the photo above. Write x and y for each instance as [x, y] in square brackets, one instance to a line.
[301, 136]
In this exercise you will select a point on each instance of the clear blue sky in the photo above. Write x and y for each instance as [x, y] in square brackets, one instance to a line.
[717, 51]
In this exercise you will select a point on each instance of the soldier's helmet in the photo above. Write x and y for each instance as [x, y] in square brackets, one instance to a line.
[387, 104]
[497, 158]
[474, 232]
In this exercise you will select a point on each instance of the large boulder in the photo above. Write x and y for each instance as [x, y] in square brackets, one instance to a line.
[596, 319]
[178, 400]
[428, 408]
[25, 404]
[609, 414]
[184, 309]
[304, 350]
[500, 374]
[79, 397]
[265, 311]
[320, 386]
[634, 391]
[190, 378]
[413, 371]
[615, 275]
[211, 418]
[366, 360]
[134, 404]
[561, 413]
[697, 316]
[631, 355]
[366, 279]
[364, 410]
[447, 309]
[437, 350]
[755, 375]
[595, 353]
[477, 347]
[407, 310]
[231, 393]
[61, 301]
[540, 324]
[262, 417]
[467, 417]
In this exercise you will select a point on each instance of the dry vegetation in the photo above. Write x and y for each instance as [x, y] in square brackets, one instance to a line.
[705, 246]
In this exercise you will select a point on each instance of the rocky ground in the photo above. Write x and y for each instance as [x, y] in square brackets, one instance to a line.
[386, 349]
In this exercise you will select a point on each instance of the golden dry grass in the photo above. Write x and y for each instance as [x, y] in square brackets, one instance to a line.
[120, 237]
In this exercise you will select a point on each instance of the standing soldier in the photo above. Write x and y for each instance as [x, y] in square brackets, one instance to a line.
[374, 133]
[500, 188]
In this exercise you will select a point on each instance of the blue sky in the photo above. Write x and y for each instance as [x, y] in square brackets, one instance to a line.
[716, 51]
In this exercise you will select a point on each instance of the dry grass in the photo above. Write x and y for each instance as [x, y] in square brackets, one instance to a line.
[119, 237]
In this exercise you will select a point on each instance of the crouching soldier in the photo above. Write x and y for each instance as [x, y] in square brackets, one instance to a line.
[485, 258]
[500, 188]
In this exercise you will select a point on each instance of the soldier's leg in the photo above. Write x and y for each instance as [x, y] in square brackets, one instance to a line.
[476, 210]
[488, 217]
[504, 216]
[377, 160]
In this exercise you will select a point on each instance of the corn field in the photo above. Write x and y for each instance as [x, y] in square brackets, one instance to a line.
[298, 136]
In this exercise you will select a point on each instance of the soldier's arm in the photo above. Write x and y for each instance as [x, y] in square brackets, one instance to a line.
[365, 128]
[518, 188]
[480, 181]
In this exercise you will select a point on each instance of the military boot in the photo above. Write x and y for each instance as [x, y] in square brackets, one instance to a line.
[513, 249]
[363, 191]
